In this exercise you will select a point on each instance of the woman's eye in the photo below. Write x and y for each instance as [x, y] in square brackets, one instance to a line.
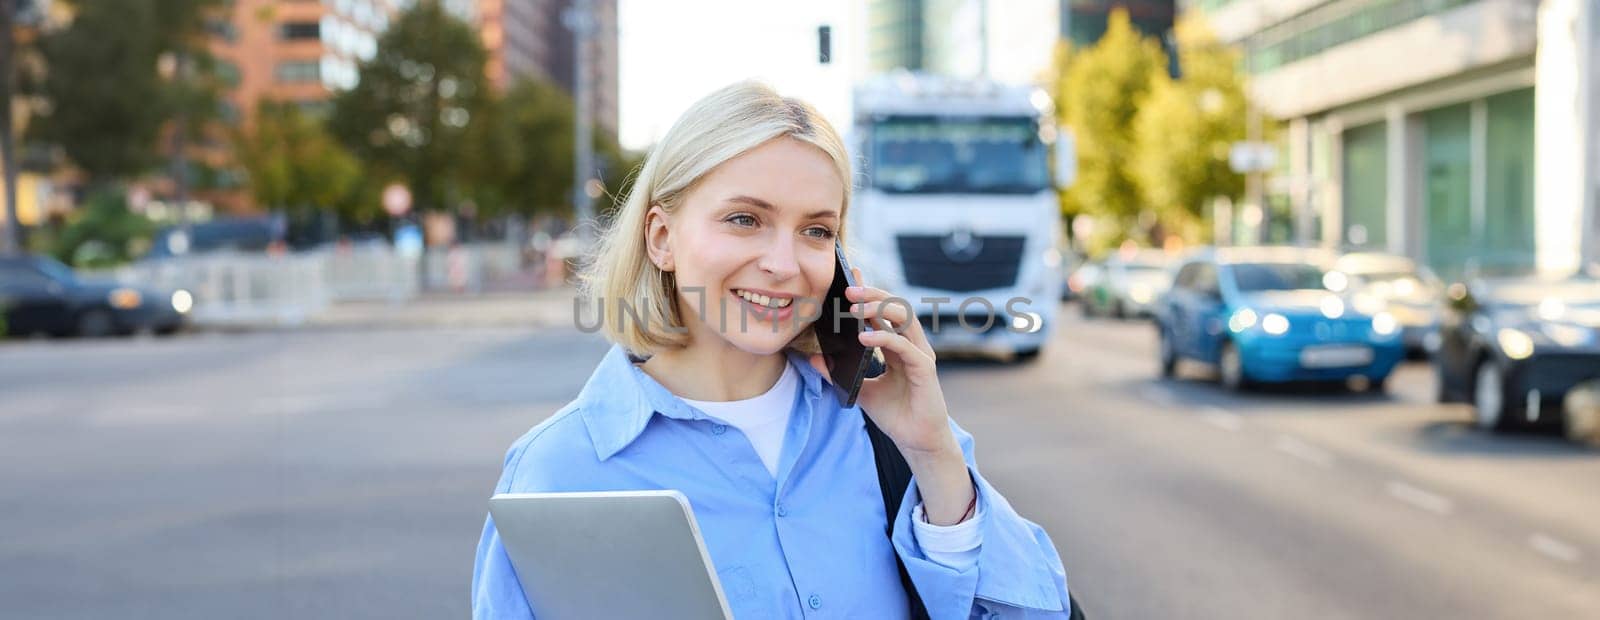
[820, 232]
[742, 220]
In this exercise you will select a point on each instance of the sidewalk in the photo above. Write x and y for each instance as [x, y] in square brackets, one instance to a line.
[545, 308]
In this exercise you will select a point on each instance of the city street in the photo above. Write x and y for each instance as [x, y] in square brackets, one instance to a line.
[338, 473]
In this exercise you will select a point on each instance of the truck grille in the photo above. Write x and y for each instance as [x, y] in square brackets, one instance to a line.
[994, 265]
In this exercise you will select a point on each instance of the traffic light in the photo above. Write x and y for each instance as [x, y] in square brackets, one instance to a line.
[824, 44]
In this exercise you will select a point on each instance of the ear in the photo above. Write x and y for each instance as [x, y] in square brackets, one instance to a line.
[658, 238]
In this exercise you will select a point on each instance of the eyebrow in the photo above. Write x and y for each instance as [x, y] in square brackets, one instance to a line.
[762, 204]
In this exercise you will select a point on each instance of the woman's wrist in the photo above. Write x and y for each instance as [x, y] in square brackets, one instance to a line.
[945, 485]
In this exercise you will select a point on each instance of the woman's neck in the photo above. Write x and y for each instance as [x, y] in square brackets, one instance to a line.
[715, 373]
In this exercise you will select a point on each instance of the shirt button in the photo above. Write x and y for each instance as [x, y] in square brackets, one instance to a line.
[782, 511]
[815, 602]
[719, 429]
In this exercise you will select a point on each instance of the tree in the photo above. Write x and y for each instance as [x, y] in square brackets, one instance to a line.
[523, 160]
[1099, 96]
[294, 164]
[1183, 132]
[108, 101]
[522, 157]
[410, 114]
[101, 234]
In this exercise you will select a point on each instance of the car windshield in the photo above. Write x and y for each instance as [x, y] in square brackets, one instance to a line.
[978, 155]
[1251, 277]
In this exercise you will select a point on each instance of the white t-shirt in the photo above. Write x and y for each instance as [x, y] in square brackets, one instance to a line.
[764, 419]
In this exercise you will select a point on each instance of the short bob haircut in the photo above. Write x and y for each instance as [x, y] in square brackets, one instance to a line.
[717, 128]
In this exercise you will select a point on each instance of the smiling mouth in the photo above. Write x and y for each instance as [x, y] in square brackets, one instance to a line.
[775, 303]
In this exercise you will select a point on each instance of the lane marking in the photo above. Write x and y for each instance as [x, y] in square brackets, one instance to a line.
[1554, 548]
[1426, 500]
[1222, 418]
[1304, 451]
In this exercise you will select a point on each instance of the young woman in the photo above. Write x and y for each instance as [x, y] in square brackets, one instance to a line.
[713, 388]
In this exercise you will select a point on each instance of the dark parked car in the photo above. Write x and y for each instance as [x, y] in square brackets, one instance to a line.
[243, 234]
[1265, 315]
[1523, 351]
[40, 295]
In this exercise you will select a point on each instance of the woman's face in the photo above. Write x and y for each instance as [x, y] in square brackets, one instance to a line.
[749, 242]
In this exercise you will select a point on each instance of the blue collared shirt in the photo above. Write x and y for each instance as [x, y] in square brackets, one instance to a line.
[809, 544]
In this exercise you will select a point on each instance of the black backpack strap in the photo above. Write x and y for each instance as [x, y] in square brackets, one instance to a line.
[894, 477]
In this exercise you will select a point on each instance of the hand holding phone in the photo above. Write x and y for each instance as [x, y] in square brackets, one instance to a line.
[838, 334]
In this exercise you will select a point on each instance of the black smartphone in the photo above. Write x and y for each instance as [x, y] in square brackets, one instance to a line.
[838, 333]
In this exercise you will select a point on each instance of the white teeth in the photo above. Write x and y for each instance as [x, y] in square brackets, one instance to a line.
[763, 300]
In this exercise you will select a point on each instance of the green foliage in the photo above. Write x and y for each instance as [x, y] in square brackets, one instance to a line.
[293, 163]
[1098, 98]
[102, 233]
[1184, 130]
[522, 160]
[409, 116]
[108, 99]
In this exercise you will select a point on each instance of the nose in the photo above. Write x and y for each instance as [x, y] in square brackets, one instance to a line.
[779, 260]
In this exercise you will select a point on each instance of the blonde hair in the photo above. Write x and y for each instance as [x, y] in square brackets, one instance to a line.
[717, 128]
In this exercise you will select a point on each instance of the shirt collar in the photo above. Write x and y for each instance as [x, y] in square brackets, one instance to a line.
[619, 399]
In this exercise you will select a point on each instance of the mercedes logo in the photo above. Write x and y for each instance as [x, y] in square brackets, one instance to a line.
[961, 245]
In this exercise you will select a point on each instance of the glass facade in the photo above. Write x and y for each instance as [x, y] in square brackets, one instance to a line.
[1366, 180]
[894, 35]
[1447, 186]
[1333, 24]
[1508, 230]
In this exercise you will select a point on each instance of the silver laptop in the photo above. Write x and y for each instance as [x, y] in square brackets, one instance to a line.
[620, 554]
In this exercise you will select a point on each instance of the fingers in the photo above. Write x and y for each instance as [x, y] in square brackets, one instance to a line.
[897, 314]
[877, 305]
[914, 361]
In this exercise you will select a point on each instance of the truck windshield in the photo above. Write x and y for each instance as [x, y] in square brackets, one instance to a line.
[968, 155]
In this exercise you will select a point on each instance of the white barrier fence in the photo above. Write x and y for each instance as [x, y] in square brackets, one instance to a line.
[236, 289]
[233, 289]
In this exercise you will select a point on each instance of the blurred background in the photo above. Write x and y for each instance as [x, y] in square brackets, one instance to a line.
[1308, 332]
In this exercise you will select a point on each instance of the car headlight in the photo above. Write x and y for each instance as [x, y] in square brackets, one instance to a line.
[1569, 335]
[1242, 320]
[1332, 307]
[1335, 281]
[1275, 324]
[182, 301]
[1384, 324]
[1516, 344]
[125, 299]
[1141, 293]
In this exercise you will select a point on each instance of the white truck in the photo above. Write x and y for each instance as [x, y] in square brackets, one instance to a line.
[955, 207]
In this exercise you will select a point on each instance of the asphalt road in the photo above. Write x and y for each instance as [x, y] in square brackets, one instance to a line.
[343, 474]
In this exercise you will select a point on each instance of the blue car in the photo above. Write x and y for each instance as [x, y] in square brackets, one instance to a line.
[1267, 315]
